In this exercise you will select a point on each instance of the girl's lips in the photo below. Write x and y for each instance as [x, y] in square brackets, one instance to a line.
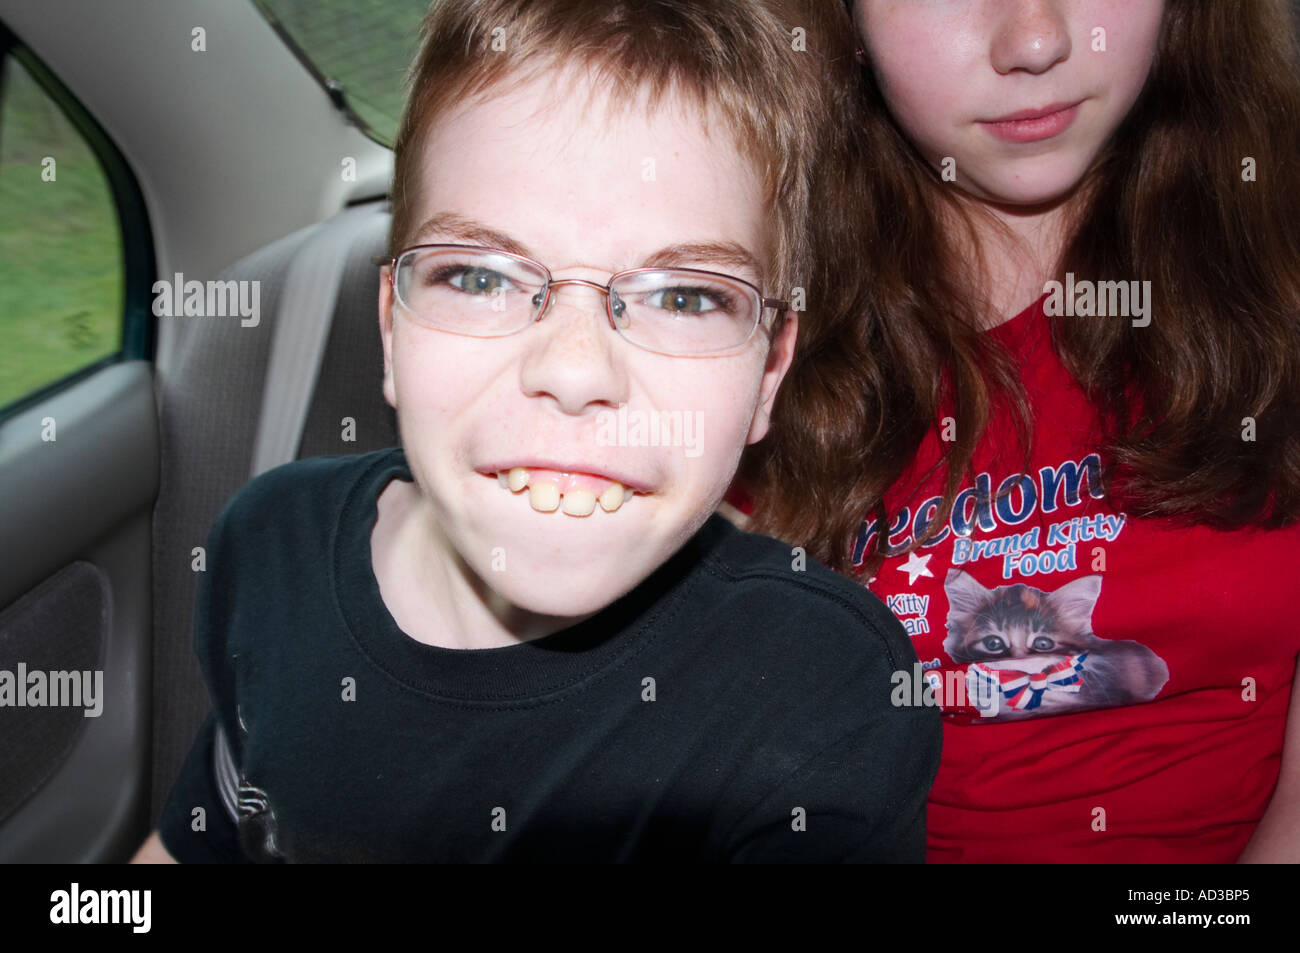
[1034, 125]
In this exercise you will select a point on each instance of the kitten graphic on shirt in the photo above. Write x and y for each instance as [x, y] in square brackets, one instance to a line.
[1032, 652]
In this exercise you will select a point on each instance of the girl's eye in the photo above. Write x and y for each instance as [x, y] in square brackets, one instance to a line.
[1042, 644]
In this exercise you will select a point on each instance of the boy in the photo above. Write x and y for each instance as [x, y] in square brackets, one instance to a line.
[521, 636]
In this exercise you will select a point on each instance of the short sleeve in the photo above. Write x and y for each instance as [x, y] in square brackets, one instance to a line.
[197, 825]
[860, 800]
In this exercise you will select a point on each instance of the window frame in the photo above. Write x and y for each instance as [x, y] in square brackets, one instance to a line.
[333, 89]
[139, 266]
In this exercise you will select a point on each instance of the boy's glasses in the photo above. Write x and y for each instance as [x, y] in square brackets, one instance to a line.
[488, 293]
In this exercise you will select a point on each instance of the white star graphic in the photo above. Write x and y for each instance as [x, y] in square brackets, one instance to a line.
[915, 566]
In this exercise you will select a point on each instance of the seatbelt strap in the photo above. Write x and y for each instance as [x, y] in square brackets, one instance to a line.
[302, 327]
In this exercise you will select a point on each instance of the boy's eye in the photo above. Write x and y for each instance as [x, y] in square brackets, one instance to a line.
[689, 300]
[474, 281]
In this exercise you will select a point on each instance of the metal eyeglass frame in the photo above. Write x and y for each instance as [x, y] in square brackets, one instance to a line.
[764, 303]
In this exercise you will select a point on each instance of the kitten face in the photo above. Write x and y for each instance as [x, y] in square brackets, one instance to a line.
[1018, 621]
[1020, 629]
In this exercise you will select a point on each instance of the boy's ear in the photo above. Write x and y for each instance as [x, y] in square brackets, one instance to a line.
[386, 332]
[779, 355]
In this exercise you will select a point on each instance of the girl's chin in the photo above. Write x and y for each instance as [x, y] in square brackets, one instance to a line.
[1033, 189]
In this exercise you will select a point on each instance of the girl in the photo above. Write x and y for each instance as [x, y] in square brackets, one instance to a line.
[1055, 423]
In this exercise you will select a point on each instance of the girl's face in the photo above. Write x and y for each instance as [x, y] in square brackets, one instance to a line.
[1016, 98]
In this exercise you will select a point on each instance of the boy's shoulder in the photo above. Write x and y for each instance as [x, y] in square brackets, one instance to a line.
[790, 595]
[317, 475]
[305, 487]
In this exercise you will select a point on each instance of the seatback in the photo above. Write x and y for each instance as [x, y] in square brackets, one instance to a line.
[210, 403]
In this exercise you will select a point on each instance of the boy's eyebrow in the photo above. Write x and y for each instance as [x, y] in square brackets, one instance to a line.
[467, 230]
[463, 229]
[726, 254]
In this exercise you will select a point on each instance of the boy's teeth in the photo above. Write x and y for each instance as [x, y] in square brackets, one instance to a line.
[612, 498]
[579, 502]
[543, 495]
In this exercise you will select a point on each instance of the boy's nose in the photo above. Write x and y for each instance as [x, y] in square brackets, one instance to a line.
[572, 353]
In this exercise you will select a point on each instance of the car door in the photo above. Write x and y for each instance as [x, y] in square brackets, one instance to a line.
[213, 140]
[79, 463]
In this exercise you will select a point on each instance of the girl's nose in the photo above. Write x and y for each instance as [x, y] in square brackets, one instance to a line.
[1031, 35]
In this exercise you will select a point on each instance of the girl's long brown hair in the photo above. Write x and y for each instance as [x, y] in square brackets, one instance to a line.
[896, 335]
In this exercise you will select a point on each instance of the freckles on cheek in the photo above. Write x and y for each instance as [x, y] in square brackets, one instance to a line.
[727, 401]
[1134, 36]
[901, 45]
[433, 380]
[911, 89]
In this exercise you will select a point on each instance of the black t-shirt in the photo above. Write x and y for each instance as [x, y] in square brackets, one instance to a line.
[733, 707]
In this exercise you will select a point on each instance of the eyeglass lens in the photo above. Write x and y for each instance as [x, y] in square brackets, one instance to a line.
[490, 294]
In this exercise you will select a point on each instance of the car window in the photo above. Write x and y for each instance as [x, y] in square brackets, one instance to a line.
[363, 47]
[61, 256]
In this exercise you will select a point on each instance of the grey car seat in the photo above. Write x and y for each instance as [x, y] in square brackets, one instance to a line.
[212, 418]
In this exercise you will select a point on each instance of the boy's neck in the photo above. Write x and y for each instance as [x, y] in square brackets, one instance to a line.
[433, 596]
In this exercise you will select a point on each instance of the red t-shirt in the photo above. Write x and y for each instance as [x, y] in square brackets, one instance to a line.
[1134, 675]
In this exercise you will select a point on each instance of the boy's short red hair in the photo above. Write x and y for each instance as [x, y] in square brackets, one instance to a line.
[773, 70]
